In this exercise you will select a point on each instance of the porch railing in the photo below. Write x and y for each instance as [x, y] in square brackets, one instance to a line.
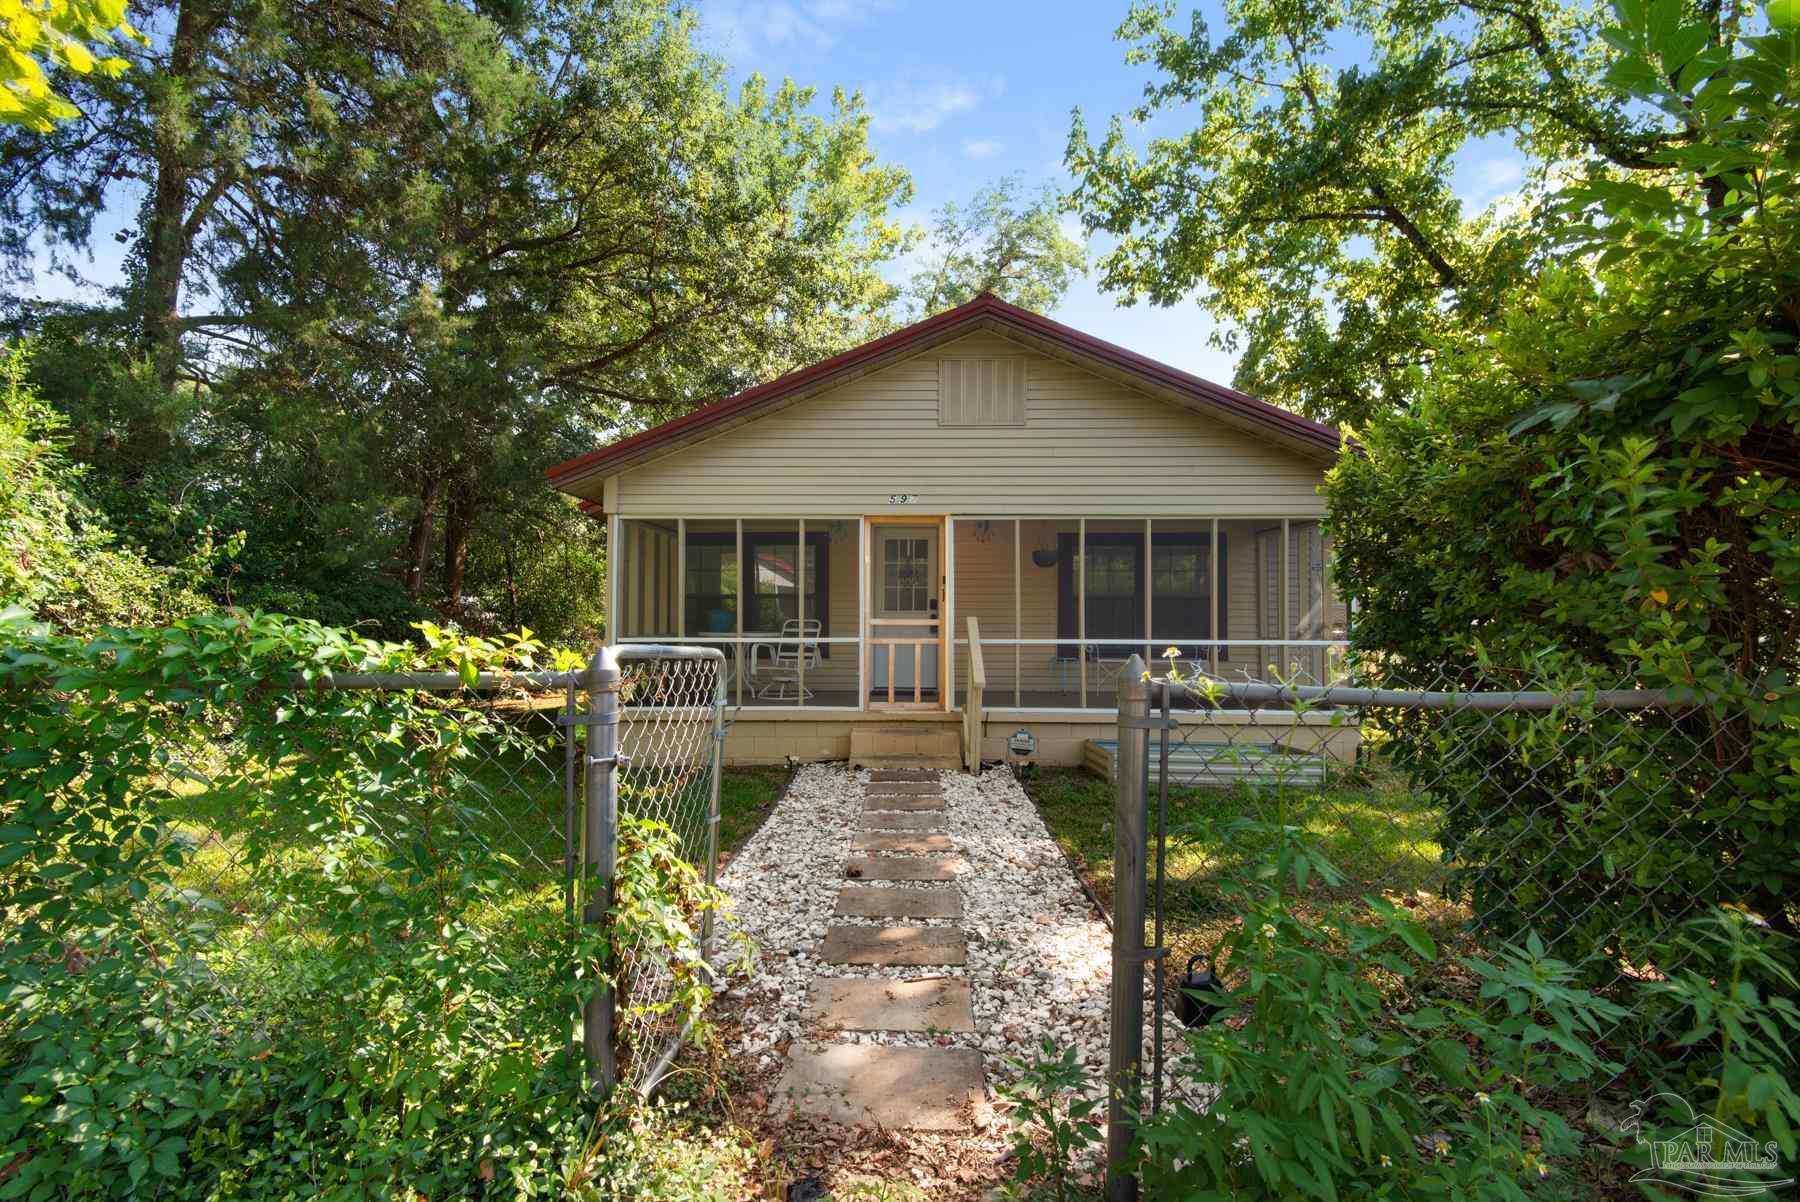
[914, 644]
[974, 704]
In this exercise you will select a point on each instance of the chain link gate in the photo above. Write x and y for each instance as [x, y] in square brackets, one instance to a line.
[656, 731]
[1484, 823]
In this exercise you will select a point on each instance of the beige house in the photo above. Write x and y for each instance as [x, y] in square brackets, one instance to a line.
[962, 531]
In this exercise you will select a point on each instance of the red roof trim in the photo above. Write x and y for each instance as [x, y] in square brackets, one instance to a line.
[1278, 420]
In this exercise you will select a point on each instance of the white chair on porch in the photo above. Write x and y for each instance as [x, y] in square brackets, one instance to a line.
[798, 648]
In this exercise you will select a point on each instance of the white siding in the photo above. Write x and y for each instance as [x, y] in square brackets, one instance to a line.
[1090, 448]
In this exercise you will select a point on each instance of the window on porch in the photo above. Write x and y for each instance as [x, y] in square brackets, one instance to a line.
[1062, 604]
[775, 595]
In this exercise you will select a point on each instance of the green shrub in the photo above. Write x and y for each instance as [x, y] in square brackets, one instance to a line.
[1734, 1055]
[56, 554]
[1328, 1086]
[267, 941]
[1601, 487]
[1055, 1121]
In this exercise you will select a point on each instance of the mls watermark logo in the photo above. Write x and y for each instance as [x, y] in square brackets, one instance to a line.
[1707, 1158]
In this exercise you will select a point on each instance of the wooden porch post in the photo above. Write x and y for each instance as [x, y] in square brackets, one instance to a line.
[947, 621]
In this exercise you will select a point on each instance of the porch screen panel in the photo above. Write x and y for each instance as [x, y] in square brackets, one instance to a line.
[772, 575]
[1249, 612]
[710, 596]
[1314, 614]
[646, 569]
[1048, 678]
[830, 656]
[986, 582]
[1114, 582]
[1185, 569]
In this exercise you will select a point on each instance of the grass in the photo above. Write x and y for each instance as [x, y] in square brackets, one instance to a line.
[1380, 835]
[746, 795]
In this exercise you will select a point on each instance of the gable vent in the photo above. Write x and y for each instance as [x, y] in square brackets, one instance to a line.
[981, 392]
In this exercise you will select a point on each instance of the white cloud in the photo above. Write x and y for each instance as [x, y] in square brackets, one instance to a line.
[743, 27]
[982, 148]
[1486, 180]
[916, 107]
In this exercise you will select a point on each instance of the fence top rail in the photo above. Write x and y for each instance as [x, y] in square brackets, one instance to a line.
[631, 651]
[444, 682]
[1490, 702]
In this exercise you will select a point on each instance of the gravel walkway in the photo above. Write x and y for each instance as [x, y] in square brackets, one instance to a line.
[1037, 953]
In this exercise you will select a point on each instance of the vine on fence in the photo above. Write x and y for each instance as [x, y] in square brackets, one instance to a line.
[268, 939]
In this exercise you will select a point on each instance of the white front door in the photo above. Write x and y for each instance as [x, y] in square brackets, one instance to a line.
[905, 631]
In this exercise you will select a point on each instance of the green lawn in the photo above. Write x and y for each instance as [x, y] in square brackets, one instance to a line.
[746, 795]
[1377, 833]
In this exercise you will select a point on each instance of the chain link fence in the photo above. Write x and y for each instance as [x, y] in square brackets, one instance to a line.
[657, 716]
[383, 873]
[489, 783]
[1488, 807]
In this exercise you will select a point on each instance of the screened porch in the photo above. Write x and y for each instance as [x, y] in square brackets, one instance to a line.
[872, 613]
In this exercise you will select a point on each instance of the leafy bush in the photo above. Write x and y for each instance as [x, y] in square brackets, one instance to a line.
[56, 554]
[1601, 486]
[268, 941]
[1054, 1108]
[1327, 1087]
[1737, 1052]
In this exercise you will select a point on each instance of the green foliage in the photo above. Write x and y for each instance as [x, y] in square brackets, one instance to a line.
[1739, 1028]
[387, 271]
[659, 1151]
[56, 555]
[63, 34]
[1313, 202]
[1326, 1088]
[267, 940]
[1003, 243]
[1054, 1120]
[660, 905]
[1601, 488]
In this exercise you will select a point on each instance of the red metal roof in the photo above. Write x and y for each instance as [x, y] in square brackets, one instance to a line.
[984, 310]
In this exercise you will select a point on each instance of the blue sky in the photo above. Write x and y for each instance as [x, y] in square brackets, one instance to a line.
[963, 93]
[960, 94]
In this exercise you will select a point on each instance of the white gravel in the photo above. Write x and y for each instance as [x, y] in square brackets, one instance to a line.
[1038, 955]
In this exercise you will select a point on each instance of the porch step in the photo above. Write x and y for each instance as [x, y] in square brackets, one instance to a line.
[906, 745]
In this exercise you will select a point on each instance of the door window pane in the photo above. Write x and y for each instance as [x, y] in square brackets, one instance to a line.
[906, 574]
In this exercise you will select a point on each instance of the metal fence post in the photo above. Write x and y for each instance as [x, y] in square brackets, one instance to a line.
[712, 803]
[1126, 1046]
[602, 849]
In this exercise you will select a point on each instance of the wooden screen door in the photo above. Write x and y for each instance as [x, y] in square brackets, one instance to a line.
[905, 628]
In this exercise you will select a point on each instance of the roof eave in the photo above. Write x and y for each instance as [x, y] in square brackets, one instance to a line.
[1238, 409]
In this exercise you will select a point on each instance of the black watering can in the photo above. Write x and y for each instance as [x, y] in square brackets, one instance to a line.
[1192, 1005]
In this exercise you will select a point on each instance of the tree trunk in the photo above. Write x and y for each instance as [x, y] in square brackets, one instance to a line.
[458, 522]
[512, 584]
[418, 539]
[166, 241]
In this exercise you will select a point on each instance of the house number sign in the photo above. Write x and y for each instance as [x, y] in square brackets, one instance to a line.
[901, 498]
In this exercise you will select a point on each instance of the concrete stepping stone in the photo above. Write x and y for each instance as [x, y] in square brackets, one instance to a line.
[904, 788]
[894, 947]
[861, 901]
[903, 868]
[901, 841]
[918, 1089]
[912, 805]
[858, 1004]
[890, 775]
[891, 820]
